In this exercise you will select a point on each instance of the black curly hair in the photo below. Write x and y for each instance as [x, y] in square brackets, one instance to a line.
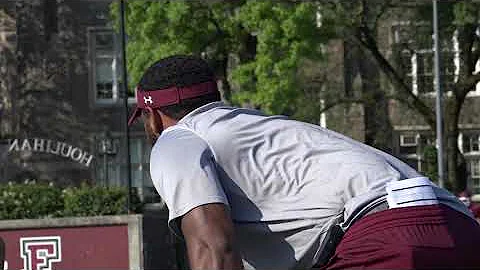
[180, 71]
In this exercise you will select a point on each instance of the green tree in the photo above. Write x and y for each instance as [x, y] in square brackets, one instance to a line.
[286, 33]
[157, 29]
[256, 47]
[358, 21]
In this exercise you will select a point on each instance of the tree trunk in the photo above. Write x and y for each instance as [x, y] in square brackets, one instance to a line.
[457, 169]
[456, 178]
[378, 129]
[8, 74]
[225, 85]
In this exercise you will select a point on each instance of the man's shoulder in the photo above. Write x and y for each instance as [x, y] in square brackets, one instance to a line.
[475, 208]
[177, 142]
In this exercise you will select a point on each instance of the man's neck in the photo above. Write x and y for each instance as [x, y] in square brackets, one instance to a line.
[167, 121]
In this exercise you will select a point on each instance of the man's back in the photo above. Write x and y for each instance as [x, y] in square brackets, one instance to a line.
[285, 181]
[288, 169]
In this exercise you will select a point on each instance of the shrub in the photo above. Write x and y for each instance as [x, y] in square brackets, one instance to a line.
[95, 201]
[30, 200]
[43, 200]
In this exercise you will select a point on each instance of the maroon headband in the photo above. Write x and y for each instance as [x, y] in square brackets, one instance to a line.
[169, 96]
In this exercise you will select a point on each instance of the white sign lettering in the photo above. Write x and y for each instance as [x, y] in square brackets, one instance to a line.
[39, 253]
[51, 147]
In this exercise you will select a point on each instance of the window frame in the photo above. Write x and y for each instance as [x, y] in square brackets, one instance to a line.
[474, 180]
[116, 166]
[471, 138]
[477, 172]
[116, 99]
[414, 74]
[404, 144]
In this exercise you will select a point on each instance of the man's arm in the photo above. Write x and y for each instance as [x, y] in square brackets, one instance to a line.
[209, 234]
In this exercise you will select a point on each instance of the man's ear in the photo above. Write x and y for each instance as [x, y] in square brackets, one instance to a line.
[153, 125]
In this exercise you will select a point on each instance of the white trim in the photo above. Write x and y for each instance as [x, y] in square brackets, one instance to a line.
[410, 127]
[472, 154]
[456, 57]
[414, 73]
[323, 115]
[469, 126]
[460, 142]
[412, 156]
[476, 92]
[408, 22]
[426, 127]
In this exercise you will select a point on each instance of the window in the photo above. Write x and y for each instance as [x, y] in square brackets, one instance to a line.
[471, 143]
[139, 155]
[408, 140]
[424, 72]
[107, 150]
[475, 174]
[415, 57]
[405, 63]
[408, 146]
[111, 169]
[140, 169]
[419, 70]
[106, 67]
[408, 149]
[413, 147]
[475, 168]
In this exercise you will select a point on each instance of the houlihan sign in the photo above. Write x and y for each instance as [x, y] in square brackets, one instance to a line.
[51, 147]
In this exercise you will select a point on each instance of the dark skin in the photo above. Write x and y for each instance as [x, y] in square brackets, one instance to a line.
[208, 229]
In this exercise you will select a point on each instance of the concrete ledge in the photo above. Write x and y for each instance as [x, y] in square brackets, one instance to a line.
[135, 241]
[69, 222]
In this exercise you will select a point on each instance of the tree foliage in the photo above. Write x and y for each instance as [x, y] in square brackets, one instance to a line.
[255, 46]
[286, 34]
[157, 29]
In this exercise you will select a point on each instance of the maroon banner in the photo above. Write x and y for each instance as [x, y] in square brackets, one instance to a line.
[90, 247]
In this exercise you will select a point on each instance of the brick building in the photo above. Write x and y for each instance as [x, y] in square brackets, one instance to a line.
[62, 106]
[398, 129]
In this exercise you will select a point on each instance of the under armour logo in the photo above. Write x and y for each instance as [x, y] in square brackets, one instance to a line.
[148, 100]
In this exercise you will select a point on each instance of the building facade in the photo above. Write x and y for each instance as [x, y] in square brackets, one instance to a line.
[406, 42]
[62, 97]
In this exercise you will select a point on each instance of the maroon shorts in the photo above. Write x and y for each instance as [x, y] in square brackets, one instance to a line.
[417, 237]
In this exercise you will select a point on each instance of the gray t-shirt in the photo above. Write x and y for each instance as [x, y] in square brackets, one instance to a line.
[285, 181]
